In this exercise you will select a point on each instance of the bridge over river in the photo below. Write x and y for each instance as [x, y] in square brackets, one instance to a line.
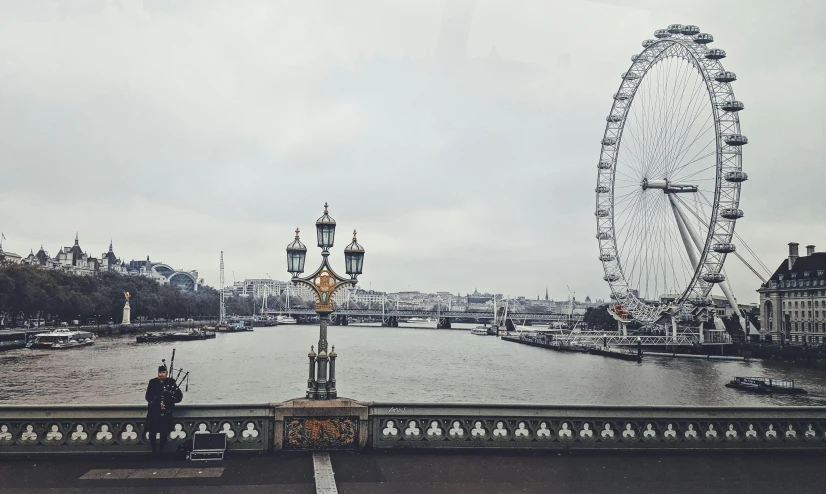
[391, 317]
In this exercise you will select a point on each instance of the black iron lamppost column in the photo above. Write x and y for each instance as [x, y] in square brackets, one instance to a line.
[324, 283]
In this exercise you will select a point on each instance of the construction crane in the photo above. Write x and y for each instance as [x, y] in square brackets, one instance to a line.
[222, 311]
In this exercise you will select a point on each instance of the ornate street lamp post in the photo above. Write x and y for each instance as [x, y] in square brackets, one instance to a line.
[324, 283]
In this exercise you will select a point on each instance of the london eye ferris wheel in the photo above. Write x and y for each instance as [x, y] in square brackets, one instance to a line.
[669, 177]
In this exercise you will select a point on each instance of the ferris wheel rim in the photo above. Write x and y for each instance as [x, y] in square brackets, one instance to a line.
[728, 158]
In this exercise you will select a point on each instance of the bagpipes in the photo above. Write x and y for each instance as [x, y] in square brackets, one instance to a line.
[173, 383]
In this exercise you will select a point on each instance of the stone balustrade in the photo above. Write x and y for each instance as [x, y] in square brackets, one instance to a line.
[417, 426]
[120, 429]
[349, 424]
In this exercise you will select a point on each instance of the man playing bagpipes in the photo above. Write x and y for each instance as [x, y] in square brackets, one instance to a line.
[162, 394]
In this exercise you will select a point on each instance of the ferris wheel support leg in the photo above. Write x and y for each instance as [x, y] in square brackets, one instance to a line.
[685, 234]
[684, 224]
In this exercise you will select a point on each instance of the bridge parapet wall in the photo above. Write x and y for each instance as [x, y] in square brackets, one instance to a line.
[459, 426]
[118, 429]
[49, 430]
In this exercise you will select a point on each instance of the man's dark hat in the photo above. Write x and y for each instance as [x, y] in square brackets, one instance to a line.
[162, 368]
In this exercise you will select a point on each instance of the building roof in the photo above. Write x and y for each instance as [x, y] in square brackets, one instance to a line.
[811, 264]
[4, 253]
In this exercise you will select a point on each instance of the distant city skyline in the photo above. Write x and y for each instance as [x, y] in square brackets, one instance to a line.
[460, 138]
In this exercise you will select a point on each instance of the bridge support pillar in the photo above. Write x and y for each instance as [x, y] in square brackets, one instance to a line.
[444, 323]
[674, 329]
[343, 320]
[394, 321]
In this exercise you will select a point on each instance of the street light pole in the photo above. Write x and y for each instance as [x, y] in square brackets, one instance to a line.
[324, 283]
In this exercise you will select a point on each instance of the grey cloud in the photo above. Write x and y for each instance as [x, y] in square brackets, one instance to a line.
[181, 128]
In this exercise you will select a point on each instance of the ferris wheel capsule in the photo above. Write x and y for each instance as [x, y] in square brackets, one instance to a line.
[731, 213]
[716, 54]
[675, 28]
[703, 38]
[602, 189]
[621, 96]
[725, 76]
[736, 140]
[733, 106]
[714, 277]
[606, 257]
[726, 248]
[736, 176]
[605, 165]
[611, 277]
[613, 118]
[662, 33]
[690, 30]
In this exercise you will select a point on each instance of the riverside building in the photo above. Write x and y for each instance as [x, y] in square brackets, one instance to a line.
[793, 300]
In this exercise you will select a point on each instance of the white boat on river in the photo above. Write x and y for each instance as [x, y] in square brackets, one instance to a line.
[62, 338]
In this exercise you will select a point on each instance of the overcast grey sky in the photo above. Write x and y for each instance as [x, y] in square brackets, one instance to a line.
[180, 128]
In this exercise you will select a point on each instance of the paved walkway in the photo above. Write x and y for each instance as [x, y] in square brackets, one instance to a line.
[403, 473]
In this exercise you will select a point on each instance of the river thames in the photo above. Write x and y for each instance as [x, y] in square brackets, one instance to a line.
[400, 365]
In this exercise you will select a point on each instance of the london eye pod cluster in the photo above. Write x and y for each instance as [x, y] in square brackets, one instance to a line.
[669, 176]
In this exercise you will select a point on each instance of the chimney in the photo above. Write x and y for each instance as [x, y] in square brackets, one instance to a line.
[810, 249]
[793, 255]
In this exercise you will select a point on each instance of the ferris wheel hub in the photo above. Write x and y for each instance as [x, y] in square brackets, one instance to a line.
[667, 186]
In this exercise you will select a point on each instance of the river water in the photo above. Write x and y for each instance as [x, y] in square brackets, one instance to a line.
[399, 365]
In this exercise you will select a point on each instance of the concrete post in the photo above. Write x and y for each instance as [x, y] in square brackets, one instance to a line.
[674, 329]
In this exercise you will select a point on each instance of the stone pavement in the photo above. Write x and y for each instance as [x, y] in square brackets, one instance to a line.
[443, 472]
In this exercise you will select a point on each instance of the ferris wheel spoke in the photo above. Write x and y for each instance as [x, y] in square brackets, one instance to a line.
[629, 212]
[658, 141]
[692, 108]
[695, 159]
[634, 220]
[681, 108]
[684, 149]
[679, 137]
[693, 175]
[697, 107]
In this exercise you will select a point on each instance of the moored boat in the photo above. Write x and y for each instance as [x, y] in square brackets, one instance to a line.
[62, 338]
[233, 327]
[282, 319]
[484, 331]
[192, 334]
[9, 340]
[765, 385]
[617, 354]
